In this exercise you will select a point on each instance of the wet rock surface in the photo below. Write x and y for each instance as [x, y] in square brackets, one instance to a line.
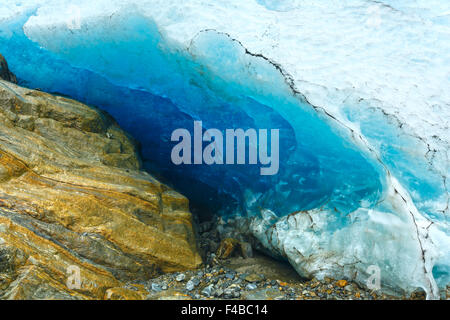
[78, 216]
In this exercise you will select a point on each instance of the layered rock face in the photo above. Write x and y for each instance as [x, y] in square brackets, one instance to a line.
[73, 201]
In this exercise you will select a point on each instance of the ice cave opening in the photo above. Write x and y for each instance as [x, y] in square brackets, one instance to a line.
[334, 206]
[217, 82]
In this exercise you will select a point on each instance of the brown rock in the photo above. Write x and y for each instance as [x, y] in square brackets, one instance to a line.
[73, 197]
[5, 74]
[229, 245]
[226, 248]
[341, 283]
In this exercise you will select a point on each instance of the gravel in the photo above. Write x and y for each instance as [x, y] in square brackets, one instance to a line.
[217, 281]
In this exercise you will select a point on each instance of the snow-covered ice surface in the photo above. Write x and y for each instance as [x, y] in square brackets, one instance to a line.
[371, 77]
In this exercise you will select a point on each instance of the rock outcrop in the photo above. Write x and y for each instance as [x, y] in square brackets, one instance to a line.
[74, 204]
[5, 74]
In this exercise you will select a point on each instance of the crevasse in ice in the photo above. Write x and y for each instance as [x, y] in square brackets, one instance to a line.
[359, 91]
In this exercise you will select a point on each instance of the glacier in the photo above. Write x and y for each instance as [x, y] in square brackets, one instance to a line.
[359, 90]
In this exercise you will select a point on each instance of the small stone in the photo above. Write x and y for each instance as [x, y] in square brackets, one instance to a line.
[226, 248]
[180, 277]
[190, 285]
[283, 284]
[246, 250]
[218, 293]
[251, 286]
[228, 292]
[207, 291]
[254, 278]
[156, 287]
[348, 288]
[341, 283]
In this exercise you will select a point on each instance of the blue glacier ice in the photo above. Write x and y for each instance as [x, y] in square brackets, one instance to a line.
[358, 90]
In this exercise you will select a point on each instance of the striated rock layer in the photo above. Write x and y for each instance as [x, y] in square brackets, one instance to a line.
[72, 197]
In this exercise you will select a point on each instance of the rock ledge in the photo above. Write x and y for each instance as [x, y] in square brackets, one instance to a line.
[73, 199]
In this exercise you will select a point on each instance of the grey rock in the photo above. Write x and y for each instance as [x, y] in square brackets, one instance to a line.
[190, 285]
[180, 277]
[251, 286]
[218, 293]
[156, 287]
[228, 292]
[208, 291]
[213, 245]
[246, 250]
[220, 229]
[229, 275]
